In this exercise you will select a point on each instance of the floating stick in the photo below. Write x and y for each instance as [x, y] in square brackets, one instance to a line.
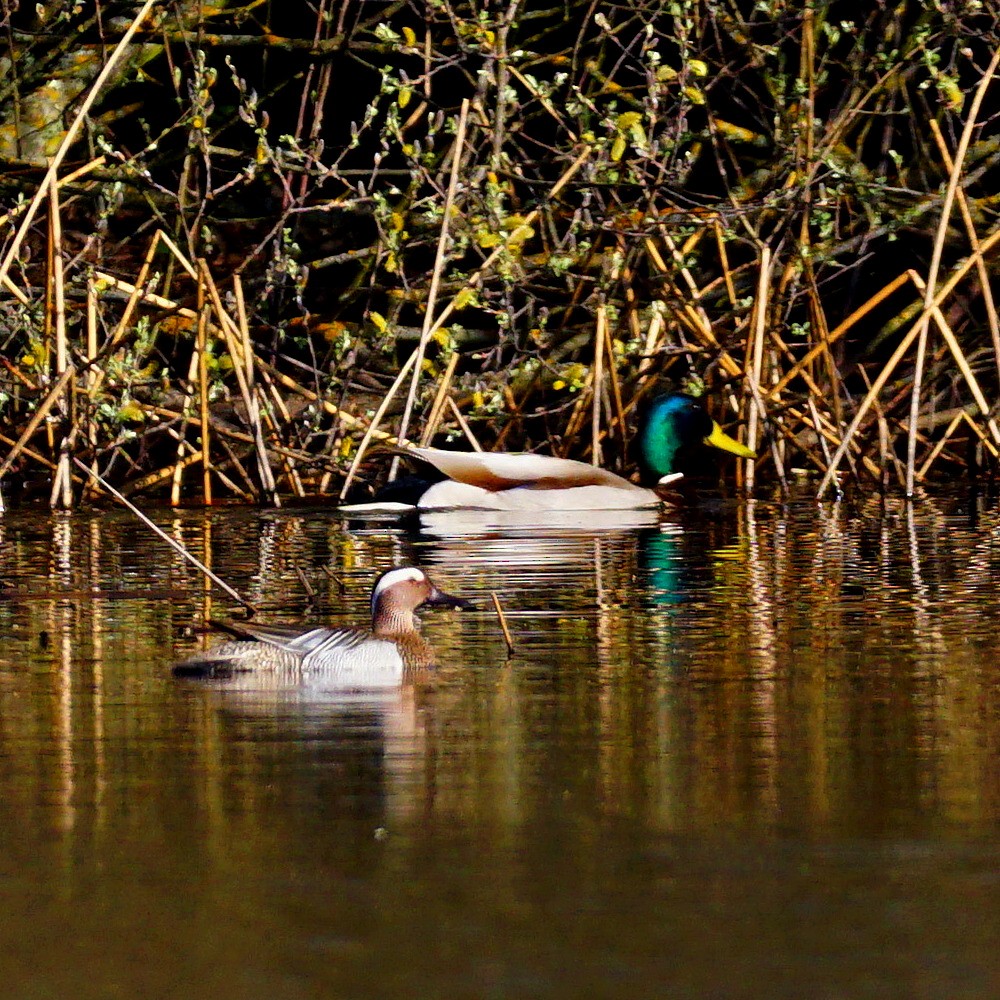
[503, 622]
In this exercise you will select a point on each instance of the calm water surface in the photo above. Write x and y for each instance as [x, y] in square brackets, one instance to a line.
[753, 755]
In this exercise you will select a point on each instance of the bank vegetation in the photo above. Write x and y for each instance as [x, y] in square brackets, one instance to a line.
[243, 243]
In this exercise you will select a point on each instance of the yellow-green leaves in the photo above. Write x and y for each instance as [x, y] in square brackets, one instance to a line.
[572, 377]
[519, 232]
[693, 68]
[131, 412]
[36, 356]
[628, 128]
[950, 90]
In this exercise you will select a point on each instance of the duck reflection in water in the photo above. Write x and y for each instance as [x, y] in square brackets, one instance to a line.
[680, 564]
[390, 652]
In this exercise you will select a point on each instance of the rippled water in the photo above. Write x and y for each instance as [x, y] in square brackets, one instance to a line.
[750, 755]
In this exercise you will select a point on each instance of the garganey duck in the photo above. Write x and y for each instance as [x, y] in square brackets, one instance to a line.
[346, 658]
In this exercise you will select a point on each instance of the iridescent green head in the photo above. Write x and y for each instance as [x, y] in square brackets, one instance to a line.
[676, 421]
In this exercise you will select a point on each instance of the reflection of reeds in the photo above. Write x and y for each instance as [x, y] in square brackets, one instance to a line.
[185, 553]
[681, 713]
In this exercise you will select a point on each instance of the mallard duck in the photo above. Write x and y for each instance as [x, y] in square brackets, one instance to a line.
[528, 482]
[345, 658]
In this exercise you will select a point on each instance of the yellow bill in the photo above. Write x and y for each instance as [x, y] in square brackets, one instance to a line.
[720, 439]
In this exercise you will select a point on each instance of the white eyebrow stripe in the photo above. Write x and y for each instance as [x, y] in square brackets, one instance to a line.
[394, 576]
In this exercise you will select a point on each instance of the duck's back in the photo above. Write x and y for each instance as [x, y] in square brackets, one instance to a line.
[344, 658]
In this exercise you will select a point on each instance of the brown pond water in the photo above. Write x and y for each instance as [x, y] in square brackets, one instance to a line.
[753, 755]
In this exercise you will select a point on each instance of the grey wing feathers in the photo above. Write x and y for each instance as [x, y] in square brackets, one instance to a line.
[298, 643]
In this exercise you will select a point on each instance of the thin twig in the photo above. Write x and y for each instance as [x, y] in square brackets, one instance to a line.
[252, 398]
[463, 424]
[206, 463]
[439, 261]
[37, 417]
[598, 379]
[62, 489]
[440, 397]
[758, 333]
